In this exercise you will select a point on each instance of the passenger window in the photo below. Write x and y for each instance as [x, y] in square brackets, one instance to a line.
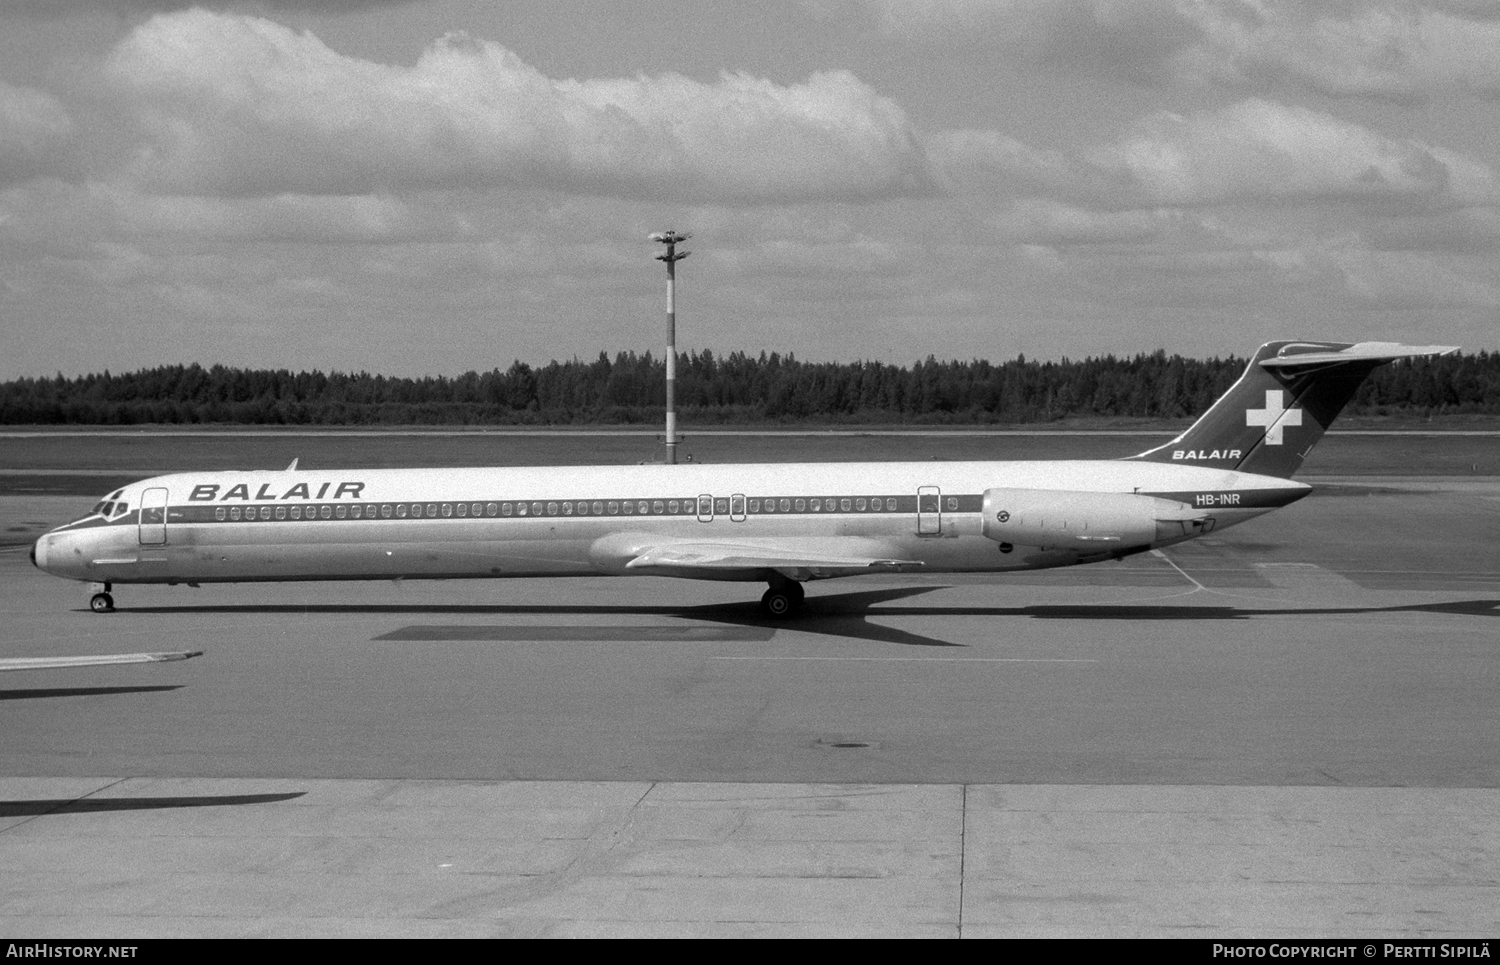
[952, 502]
[642, 508]
[816, 505]
[629, 507]
[400, 510]
[234, 512]
[463, 509]
[385, 510]
[341, 510]
[861, 504]
[324, 512]
[785, 505]
[219, 513]
[801, 505]
[657, 507]
[567, 509]
[536, 509]
[845, 505]
[431, 510]
[754, 505]
[489, 509]
[447, 509]
[672, 506]
[281, 512]
[505, 509]
[614, 508]
[596, 508]
[552, 509]
[890, 504]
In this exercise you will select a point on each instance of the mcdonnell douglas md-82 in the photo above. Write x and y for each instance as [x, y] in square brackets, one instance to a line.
[776, 524]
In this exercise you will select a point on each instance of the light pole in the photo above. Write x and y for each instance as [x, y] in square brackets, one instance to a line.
[671, 256]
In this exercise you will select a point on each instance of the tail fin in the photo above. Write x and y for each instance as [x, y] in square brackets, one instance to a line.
[1290, 393]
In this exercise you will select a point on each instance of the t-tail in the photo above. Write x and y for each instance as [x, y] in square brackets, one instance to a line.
[1290, 393]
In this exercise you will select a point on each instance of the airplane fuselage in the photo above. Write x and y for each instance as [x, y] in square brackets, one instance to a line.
[605, 520]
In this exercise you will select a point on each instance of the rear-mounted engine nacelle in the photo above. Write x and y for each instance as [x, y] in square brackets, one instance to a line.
[1085, 521]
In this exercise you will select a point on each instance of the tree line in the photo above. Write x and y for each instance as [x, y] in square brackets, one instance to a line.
[734, 388]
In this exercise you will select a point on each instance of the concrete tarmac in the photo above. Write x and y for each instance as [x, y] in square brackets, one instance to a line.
[1287, 729]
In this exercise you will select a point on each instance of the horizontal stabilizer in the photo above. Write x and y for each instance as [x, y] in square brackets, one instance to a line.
[1290, 357]
[62, 663]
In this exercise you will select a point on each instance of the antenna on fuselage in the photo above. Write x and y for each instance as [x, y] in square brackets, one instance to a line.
[293, 466]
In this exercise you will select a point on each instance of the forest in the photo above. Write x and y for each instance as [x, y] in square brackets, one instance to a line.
[734, 389]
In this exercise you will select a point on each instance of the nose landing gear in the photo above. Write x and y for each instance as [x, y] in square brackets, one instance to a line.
[782, 598]
[102, 602]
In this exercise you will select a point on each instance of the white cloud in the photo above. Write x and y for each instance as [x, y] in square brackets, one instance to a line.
[242, 105]
[1392, 49]
[33, 125]
[343, 219]
[1252, 151]
[48, 9]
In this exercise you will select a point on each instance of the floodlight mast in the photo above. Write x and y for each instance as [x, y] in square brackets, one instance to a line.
[671, 256]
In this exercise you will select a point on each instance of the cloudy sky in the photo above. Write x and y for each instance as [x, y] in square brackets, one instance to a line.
[432, 186]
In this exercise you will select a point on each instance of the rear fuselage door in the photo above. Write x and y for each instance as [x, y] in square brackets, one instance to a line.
[153, 525]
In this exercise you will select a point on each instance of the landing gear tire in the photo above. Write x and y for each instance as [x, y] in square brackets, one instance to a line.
[102, 603]
[781, 600]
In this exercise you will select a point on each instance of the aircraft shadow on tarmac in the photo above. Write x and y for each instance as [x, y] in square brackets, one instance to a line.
[89, 805]
[38, 692]
[835, 614]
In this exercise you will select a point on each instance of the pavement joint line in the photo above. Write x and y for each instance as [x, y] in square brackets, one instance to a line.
[963, 850]
[1163, 557]
[925, 659]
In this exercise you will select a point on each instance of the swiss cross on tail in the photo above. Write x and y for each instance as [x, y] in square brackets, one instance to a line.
[1273, 417]
[1304, 386]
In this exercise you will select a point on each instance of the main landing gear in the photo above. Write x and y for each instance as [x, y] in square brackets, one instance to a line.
[102, 602]
[782, 598]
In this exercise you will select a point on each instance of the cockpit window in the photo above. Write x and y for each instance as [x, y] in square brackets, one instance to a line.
[99, 507]
[120, 508]
[109, 510]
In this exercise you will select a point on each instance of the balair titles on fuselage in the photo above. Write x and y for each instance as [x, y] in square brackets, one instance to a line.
[209, 492]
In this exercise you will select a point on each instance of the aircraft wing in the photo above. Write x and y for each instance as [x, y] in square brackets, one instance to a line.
[794, 558]
[56, 663]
